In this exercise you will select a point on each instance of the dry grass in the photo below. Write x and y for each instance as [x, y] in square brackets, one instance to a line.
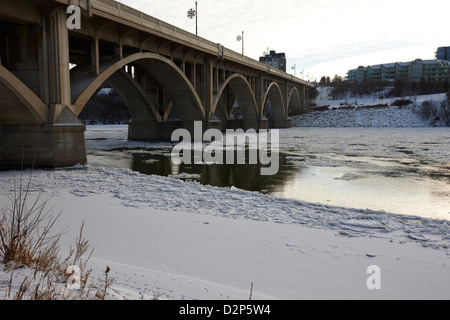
[27, 241]
[25, 231]
[30, 252]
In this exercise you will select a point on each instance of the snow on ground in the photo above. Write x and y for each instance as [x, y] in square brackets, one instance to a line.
[182, 240]
[404, 117]
[339, 114]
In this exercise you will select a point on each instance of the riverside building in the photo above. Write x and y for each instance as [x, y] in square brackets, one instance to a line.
[417, 70]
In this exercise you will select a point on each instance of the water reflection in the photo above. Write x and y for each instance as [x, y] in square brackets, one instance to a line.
[357, 168]
[246, 177]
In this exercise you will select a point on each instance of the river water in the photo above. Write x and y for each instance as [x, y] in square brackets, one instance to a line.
[398, 170]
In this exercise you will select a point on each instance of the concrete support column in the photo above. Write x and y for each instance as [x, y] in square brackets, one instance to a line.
[58, 63]
[194, 75]
[246, 124]
[284, 122]
[57, 141]
[259, 92]
[95, 59]
[161, 100]
[157, 131]
[48, 146]
[302, 98]
[209, 88]
[285, 96]
[259, 96]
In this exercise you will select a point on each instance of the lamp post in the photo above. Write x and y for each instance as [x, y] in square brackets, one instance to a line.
[194, 13]
[295, 70]
[241, 38]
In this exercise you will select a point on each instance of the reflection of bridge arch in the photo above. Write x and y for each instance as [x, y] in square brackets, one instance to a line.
[242, 92]
[186, 100]
[19, 105]
[275, 97]
[295, 106]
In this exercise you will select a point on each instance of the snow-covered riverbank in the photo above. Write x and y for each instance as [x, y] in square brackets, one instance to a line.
[370, 112]
[186, 241]
[182, 240]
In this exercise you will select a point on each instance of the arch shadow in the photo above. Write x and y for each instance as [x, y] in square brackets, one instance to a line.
[19, 105]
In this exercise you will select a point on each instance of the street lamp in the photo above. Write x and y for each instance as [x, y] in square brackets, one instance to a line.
[194, 13]
[241, 38]
[295, 70]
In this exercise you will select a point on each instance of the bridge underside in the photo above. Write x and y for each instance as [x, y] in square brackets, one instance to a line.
[167, 78]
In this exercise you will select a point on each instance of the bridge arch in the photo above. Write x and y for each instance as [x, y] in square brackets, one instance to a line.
[19, 105]
[186, 100]
[295, 106]
[275, 97]
[243, 94]
[134, 96]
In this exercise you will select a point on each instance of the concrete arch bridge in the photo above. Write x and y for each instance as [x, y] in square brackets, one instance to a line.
[168, 77]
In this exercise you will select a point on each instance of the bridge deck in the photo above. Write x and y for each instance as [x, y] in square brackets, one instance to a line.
[114, 10]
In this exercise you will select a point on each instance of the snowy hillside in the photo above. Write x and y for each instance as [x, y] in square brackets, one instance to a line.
[371, 111]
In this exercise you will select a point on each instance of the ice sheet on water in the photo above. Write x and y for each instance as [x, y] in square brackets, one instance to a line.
[186, 176]
[138, 190]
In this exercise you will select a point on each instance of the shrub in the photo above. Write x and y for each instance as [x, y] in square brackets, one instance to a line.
[427, 110]
[402, 103]
[25, 237]
[27, 240]
[444, 112]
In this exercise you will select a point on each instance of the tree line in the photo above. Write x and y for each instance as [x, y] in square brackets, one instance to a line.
[106, 107]
[401, 87]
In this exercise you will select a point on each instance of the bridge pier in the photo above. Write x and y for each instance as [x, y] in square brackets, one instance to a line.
[162, 131]
[282, 123]
[246, 124]
[50, 145]
[49, 71]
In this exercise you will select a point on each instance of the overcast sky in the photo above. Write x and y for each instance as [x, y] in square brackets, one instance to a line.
[321, 37]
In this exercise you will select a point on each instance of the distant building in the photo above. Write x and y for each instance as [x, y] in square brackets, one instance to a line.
[443, 53]
[435, 70]
[276, 60]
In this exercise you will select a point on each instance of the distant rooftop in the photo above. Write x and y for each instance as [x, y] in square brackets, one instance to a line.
[404, 64]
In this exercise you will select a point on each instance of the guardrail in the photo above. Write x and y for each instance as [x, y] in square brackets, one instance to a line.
[153, 23]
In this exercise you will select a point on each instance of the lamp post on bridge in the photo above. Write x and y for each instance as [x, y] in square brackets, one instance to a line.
[239, 39]
[194, 13]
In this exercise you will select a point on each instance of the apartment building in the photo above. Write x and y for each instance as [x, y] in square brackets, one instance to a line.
[274, 59]
[417, 70]
[443, 53]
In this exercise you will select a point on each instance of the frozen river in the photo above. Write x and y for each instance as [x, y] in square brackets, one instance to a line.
[398, 170]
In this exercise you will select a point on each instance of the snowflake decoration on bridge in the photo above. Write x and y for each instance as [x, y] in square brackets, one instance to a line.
[191, 13]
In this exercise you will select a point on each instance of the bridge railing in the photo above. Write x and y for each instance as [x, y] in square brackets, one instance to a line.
[153, 23]
[144, 19]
